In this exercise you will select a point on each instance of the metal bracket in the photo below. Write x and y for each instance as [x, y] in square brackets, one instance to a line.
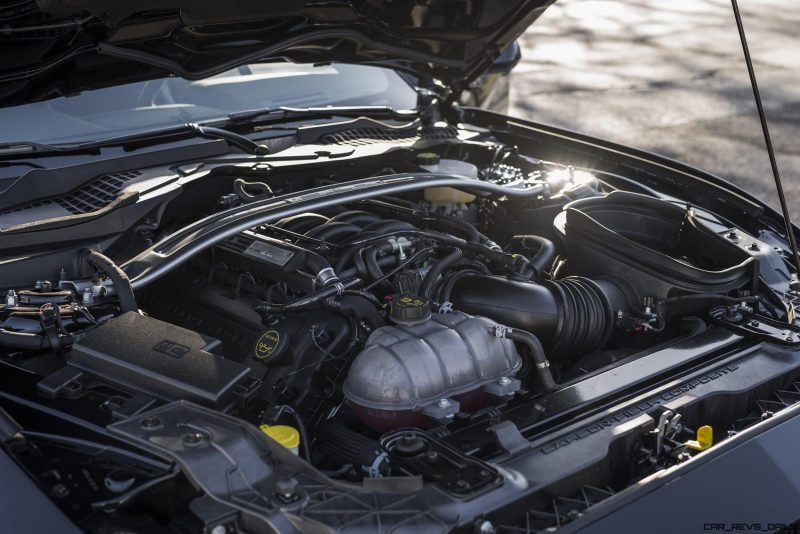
[747, 322]
[442, 409]
[503, 386]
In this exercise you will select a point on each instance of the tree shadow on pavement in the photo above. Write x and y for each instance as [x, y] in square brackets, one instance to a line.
[669, 77]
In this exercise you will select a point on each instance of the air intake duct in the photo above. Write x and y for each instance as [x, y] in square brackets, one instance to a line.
[571, 316]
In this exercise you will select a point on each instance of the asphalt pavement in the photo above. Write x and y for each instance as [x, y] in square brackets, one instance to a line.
[669, 76]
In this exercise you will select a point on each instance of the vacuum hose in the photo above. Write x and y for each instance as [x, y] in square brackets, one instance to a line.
[127, 300]
[545, 251]
[541, 366]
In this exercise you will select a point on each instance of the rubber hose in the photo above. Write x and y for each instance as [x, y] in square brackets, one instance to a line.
[308, 301]
[452, 223]
[321, 268]
[301, 429]
[382, 228]
[346, 257]
[545, 251]
[419, 255]
[27, 341]
[540, 364]
[365, 294]
[240, 188]
[450, 280]
[22, 340]
[122, 285]
[426, 287]
[359, 308]
[386, 261]
[371, 262]
[344, 446]
[361, 266]
[574, 315]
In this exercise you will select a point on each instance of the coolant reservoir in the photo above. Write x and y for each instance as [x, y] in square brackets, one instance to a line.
[431, 162]
[428, 367]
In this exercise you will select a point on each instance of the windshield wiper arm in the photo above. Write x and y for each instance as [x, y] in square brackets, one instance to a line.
[287, 112]
[234, 139]
[183, 130]
[17, 147]
[191, 129]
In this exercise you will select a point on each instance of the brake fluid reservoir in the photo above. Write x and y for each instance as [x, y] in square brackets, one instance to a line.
[447, 195]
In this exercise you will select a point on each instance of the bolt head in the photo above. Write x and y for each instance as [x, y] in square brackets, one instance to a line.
[60, 491]
[504, 381]
[219, 529]
[444, 403]
[482, 526]
[150, 423]
[286, 489]
[192, 438]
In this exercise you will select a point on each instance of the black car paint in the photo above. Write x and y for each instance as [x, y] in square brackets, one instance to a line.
[100, 45]
[760, 474]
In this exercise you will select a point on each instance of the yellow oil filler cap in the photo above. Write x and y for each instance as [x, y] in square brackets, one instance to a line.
[705, 439]
[286, 435]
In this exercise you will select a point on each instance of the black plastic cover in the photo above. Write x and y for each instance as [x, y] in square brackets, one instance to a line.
[656, 246]
[159, 358]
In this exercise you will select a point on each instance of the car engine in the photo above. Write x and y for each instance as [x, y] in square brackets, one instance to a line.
[370, 333]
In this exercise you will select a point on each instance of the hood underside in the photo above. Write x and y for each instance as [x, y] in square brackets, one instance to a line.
[61, 47]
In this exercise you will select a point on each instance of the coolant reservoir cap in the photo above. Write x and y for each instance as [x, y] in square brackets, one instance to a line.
[409, 444]
[410, 309]
[286, 435]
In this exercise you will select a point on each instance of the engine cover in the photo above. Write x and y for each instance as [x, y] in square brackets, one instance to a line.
[407, 374]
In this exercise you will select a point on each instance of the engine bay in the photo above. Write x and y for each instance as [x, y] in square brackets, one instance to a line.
[426, 332]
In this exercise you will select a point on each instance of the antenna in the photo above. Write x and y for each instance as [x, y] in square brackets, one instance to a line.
[763, 117]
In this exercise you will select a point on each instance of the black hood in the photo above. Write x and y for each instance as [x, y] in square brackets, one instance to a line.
[59, 47]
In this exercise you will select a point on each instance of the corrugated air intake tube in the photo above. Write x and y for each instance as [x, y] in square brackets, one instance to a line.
[574, 315]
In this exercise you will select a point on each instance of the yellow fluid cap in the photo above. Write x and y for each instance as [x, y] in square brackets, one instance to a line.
[286, 435]
[705, 436]
[705, 439]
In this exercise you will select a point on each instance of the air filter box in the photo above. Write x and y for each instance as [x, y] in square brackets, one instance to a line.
[160, 359]
[656, 246]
